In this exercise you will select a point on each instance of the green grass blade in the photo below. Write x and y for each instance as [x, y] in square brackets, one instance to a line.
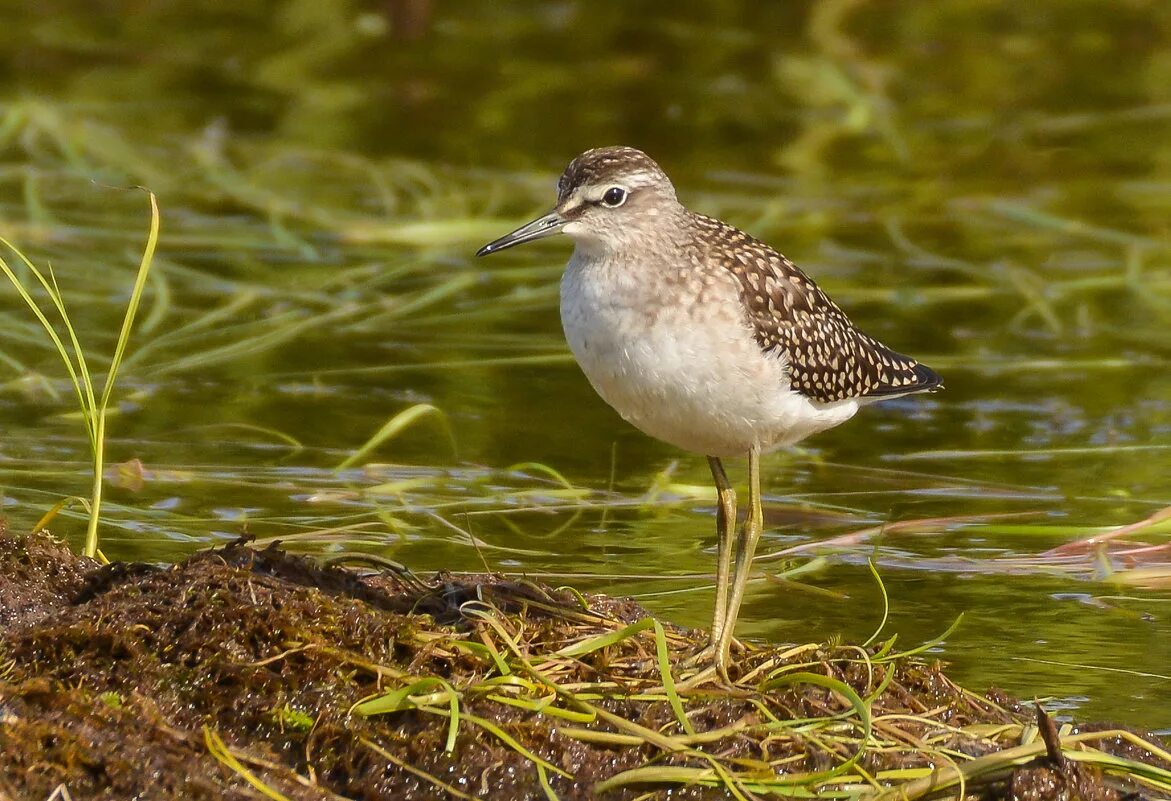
[62, 351]
[860, 707]
[92, 409]
[885, 604]
[395, 426]
[144, 265]
[925, 646]
[398, 700]
[220, 752]
[546, 788]
[669, 680]
[601, 641]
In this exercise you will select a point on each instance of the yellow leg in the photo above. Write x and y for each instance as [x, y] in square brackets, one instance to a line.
[745, 549]
[725, 520]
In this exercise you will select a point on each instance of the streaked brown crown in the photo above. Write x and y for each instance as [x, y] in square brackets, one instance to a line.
[604, 164]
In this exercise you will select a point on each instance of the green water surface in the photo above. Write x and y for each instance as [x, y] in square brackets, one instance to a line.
[986, 186]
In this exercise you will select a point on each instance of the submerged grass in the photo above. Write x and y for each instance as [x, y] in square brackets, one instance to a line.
[396, 425]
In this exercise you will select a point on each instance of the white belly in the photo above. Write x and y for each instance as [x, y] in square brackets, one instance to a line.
[693, 378]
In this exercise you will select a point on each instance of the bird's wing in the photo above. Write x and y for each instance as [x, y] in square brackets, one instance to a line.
[829, 359]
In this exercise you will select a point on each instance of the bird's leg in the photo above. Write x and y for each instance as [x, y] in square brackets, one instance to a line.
[745, 549]
[725, 520]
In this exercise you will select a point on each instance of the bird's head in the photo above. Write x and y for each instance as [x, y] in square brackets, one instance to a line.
[605, 197]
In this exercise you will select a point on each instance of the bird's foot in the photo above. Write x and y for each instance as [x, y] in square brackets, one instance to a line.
[708, 664]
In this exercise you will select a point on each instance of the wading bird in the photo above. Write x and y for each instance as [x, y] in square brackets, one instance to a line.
[704, 337]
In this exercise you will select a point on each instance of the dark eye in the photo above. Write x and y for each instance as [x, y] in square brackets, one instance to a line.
[615, 196]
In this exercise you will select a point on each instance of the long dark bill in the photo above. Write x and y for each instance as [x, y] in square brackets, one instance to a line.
[550, 224]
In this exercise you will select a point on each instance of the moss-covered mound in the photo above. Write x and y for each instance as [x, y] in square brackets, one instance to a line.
[245, 673]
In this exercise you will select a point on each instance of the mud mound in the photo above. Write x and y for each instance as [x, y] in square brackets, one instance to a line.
[241, 670]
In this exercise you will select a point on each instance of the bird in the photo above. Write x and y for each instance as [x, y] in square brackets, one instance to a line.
[706, 338]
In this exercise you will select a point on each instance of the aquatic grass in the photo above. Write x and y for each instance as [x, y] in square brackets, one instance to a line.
[503, 511]
[395, 426]
[1158, 523]
[944, 454]
[1073, 747]
[220, 751]
[94, 408]
[405, 698]
[411, 194]
[1095, 668]
[599, 672]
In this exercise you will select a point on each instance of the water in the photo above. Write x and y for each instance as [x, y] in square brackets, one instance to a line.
[983, 187]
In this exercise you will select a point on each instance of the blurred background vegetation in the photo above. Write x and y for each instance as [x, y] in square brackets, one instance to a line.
[984, 185]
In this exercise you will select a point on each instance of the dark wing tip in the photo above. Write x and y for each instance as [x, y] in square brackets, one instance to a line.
[919, 378]
[930, 380]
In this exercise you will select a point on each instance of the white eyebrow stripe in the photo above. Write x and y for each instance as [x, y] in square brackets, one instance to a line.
[592, 194]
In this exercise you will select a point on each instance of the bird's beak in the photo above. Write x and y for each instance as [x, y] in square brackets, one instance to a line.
[550, 224]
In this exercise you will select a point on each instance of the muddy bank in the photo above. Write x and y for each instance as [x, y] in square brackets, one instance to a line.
[244, 673]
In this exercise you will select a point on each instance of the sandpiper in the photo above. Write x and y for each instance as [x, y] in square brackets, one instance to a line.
[704, 337]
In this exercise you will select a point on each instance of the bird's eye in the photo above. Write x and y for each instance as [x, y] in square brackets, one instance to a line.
[615, 196]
